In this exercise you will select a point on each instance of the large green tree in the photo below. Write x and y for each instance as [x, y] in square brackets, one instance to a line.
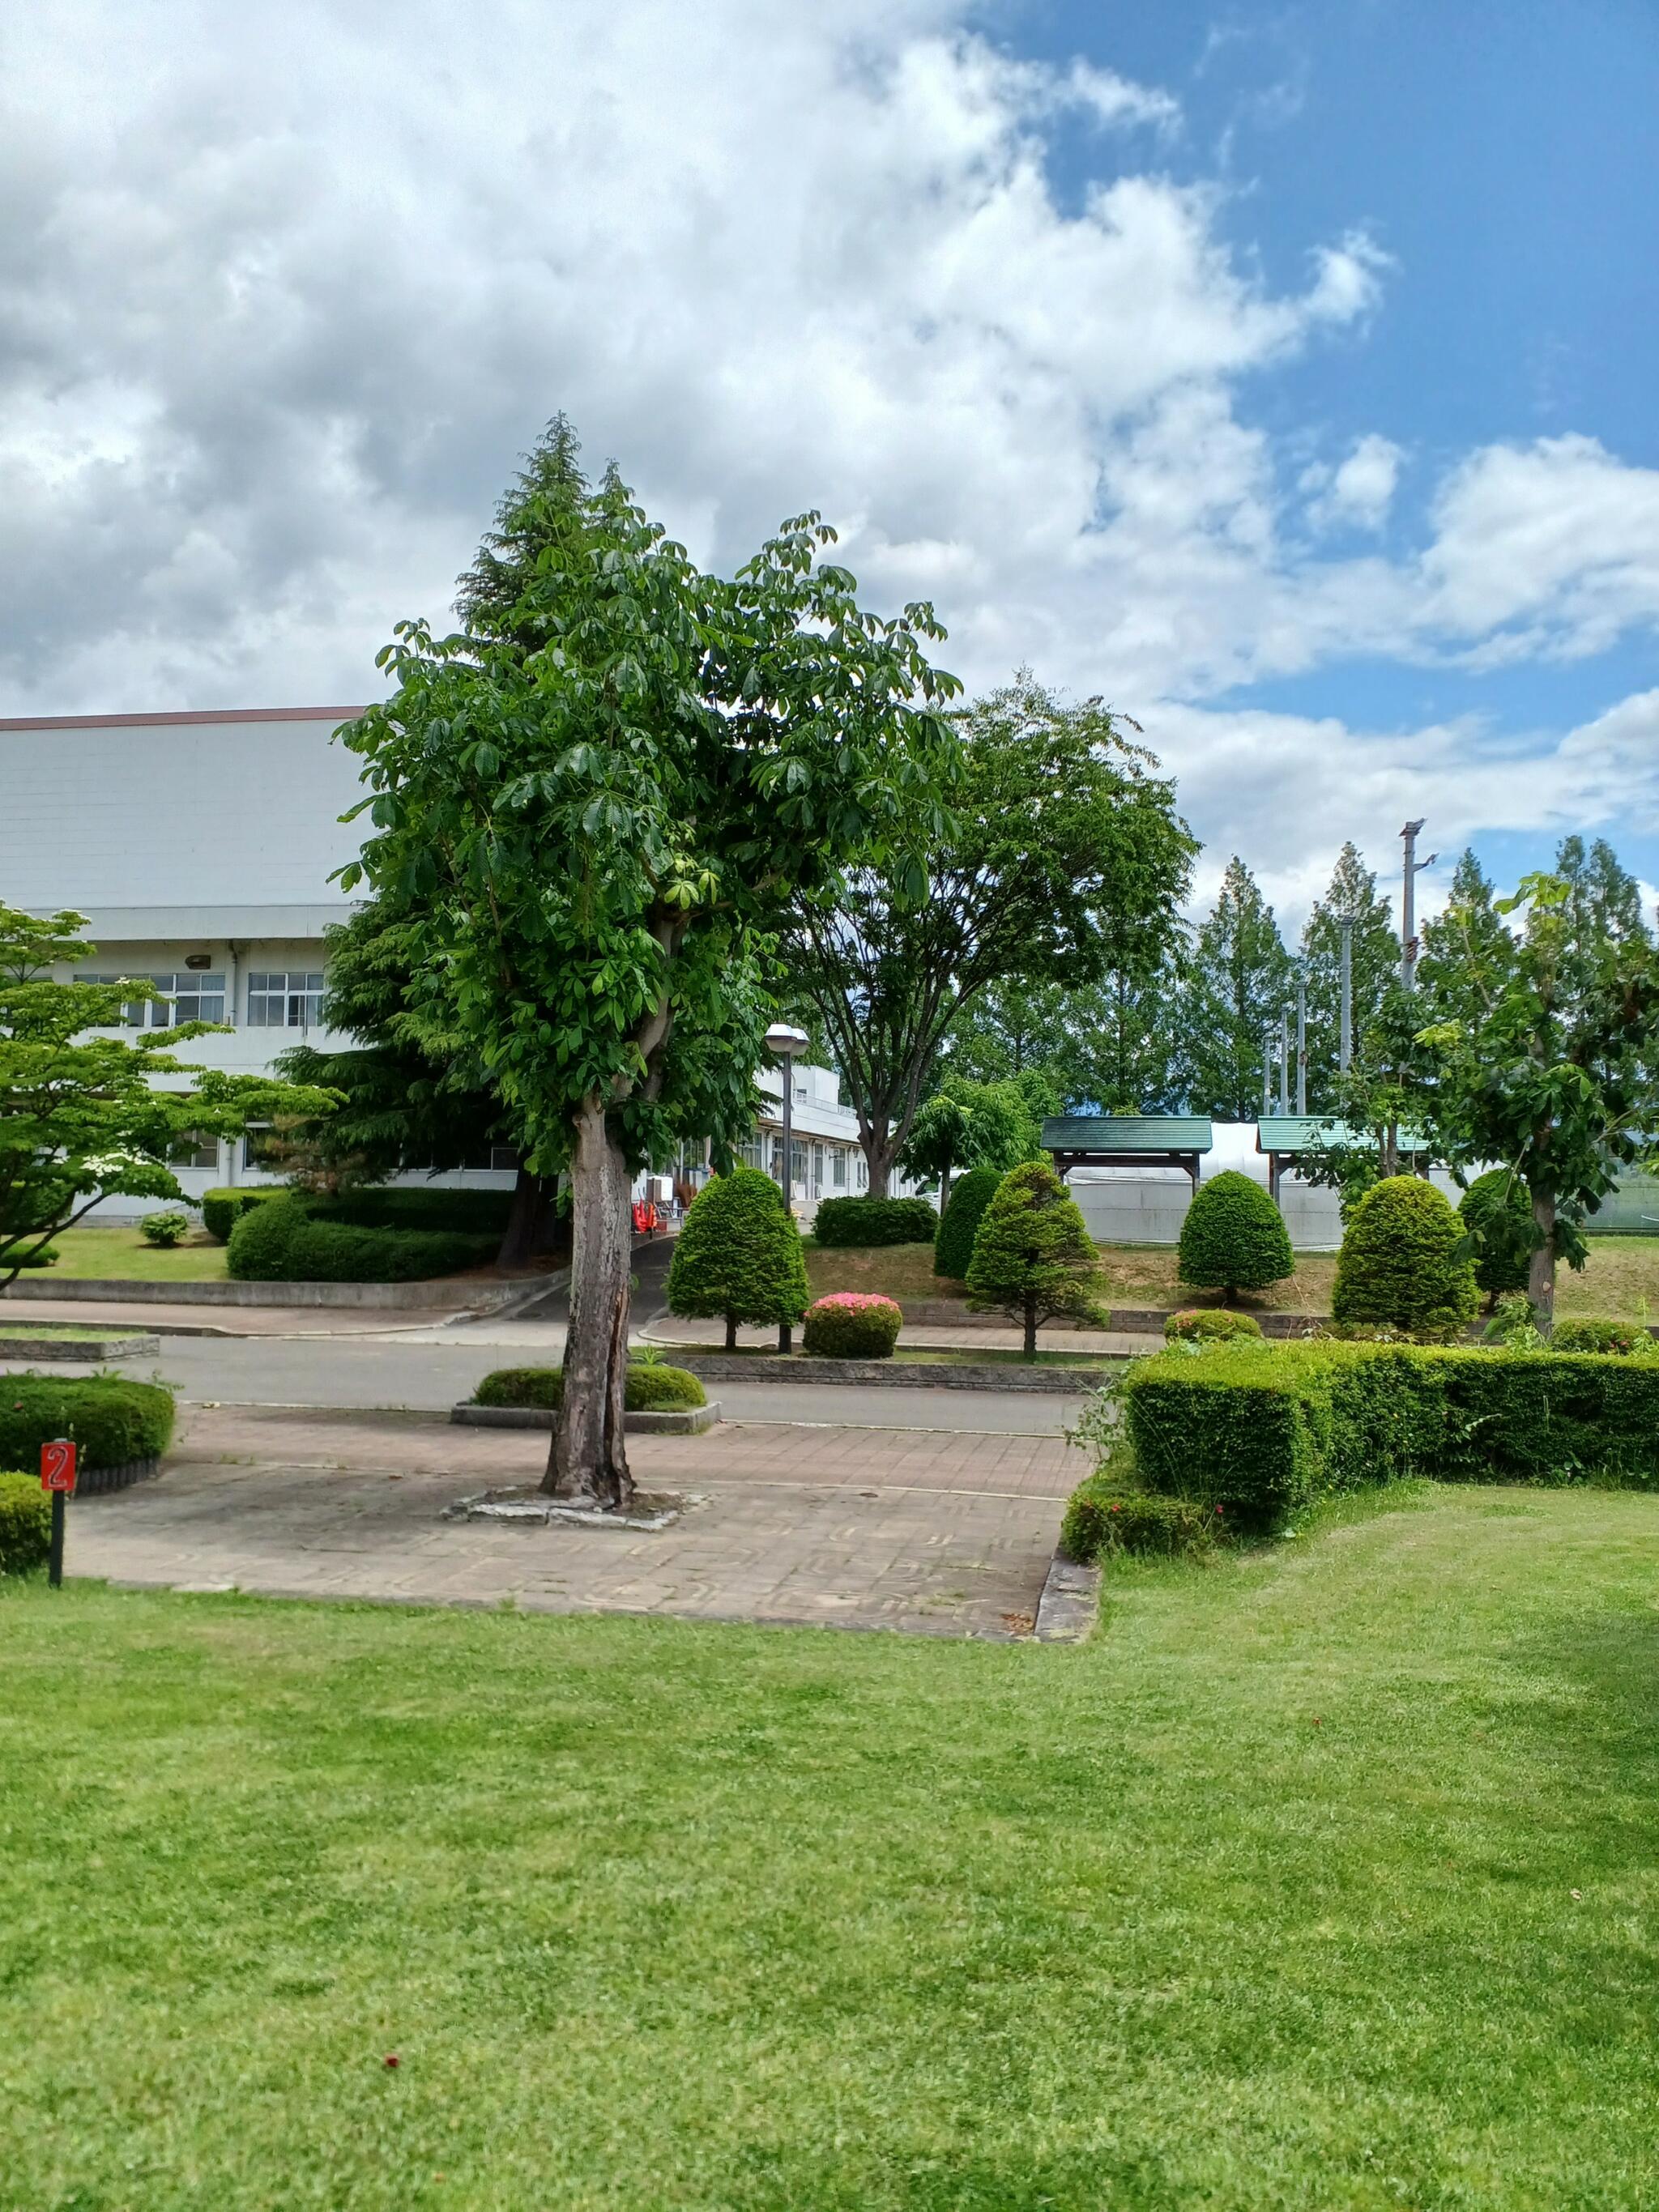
[1064, 849]
[1374, 962]
[85, 1117]
[602, 793]
[963, 1124]
[1242, 981]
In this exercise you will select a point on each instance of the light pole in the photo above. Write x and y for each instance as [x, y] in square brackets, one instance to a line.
[1283, 1064]
[1302, 1041]
[1408, 903]
[783, 1043]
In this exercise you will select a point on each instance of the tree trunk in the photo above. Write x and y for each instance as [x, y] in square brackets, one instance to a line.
[1030, 1324]
[943, 1194]
[589, 1458]
[531, 1219]
[1540, 1274]
[880, 1160]
[730, 1332]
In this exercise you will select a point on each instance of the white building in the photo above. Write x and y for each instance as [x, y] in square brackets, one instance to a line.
[200, 847]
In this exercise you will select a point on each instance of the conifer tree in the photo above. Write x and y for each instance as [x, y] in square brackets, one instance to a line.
[1376, 964]
[1033, 1258]
[739, 1255]
[1241, 981]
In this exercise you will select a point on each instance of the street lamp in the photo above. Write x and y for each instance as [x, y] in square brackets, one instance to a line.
[1414, 867]
[784, 1044]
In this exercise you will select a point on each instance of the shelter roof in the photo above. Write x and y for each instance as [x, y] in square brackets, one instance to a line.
[1116, 1136]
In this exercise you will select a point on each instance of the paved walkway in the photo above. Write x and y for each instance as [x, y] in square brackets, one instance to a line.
[942, 1534]
[665, 1329]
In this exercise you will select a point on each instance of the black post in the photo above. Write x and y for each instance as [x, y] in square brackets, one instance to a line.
[55, 1556]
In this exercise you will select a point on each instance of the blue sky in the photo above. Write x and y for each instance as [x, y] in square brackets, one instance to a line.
[1282, 373]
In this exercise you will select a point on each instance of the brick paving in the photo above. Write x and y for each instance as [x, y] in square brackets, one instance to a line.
[941, 1534]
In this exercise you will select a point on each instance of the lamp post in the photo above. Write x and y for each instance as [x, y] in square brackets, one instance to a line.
[784, 1042]
[1302, 1041]
[1413, 867]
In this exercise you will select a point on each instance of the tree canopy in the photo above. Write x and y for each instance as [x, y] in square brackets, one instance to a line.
[1242, 981]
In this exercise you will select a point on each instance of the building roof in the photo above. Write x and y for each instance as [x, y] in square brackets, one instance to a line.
[175, 721]
[1299, 1132]
[1116, 1134]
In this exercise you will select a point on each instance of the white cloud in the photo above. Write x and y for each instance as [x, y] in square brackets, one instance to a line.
[1358, 494]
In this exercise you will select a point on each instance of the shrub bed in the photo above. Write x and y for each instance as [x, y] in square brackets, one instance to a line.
[477, 1214]
[291, 1240]
[111, 1421]
[851, 1325]
[654, 1389]
[953, 1247]
[25, 1524]
[1102, 1518]
[223, 1209]
[1209, 1325]
[1624, 1338]
[841, 1221]
[1262, 1431]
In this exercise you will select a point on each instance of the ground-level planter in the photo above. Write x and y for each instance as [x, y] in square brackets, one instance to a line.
[50, 1345]
[679, 1421]
[887, 1373]
[94, 1482]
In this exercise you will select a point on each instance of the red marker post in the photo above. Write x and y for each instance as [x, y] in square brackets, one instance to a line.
[57, 1476]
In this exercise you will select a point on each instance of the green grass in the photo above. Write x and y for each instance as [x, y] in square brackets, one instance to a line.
[1325, 1879]
[9, 1329]
[122, 1255]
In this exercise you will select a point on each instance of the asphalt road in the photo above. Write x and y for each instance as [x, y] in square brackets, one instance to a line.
[349, 1372]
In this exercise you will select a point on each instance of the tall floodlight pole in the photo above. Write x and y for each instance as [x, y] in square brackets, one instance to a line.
[1284, 1063]
[1267, 1073]
[1344, 1032]
[783, 1043]
[1302, 1041]
[1413, 868]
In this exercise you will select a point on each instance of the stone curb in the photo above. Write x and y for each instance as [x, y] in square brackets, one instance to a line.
[89, 1349]
[95, 1481]
[885, 1374]
[687, 1421]
[443, 1294]
[1070, 1603]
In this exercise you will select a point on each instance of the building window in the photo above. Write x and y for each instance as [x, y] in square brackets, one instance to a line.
[185, 997]
[259, 1149]
[753, 1154]
[818, 1170]
[489, 1159]
[193, 1149]
[864, 1173]
[279, 998]
[838, 1168]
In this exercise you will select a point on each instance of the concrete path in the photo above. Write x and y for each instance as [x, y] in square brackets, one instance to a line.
[939, 1533]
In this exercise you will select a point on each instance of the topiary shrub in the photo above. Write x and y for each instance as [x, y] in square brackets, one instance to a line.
[1208, 1325]
[1102, 1518]
[1403, 1260]
[1497, 1214]
[223, 1209]
[851, 1325]
[846, 1221]
[1033, 1257]
[1624, 1338]
[1234, 1238]
[164, 1230]
[25, 1524]
[657, 1389]
[739, 1255]
[953, 1247]
[47, 1256]
[111, 1421]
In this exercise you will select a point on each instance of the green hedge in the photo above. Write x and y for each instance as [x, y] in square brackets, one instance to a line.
[25, 1524]
[293, 1241]
[658, 1389]
[113, 1421]
[223, 1209]
[47, 1256]
[845, 1221]
[1209, 1325]
[460, 1212]
[1102, 1517]
[1261, 1432]
[1626, 1338]
[953, 1247]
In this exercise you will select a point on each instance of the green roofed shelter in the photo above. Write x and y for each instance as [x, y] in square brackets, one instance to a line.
[1128, 1140]
[1283, 1138]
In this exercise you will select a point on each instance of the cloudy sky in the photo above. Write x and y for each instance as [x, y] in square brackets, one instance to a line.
[1284, 372]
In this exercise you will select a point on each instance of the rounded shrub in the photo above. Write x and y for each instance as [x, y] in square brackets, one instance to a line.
[662, 1388]
[1496, 1212]
[1622, 1338]
[47, 1256]
[1234, 1238]
[847, 1221]
[739, 1255]
[1403, 1261]
[113, 1421]
[851, 1325]
[1208, 1325]
[164, 1230]
[1033, 1257]
[953, 1247]
[25, 1524]
[657, 1389]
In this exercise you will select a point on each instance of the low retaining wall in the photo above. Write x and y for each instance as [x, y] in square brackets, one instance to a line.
[677, 1421]
[945, 1313]
[887, 1373]
[54, 1346]
[444, 1294]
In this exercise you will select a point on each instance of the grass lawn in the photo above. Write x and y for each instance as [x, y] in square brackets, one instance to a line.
[122, 1254]
[9, 1330]
[1325, 1879]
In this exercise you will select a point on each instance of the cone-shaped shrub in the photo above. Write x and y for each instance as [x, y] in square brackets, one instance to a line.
[953, 1248]
[1234, 1238]
[1498, 1213]
[1033, 1257]
[739, 1255]
[1402, 1261]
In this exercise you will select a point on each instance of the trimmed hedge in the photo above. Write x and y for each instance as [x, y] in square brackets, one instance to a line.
[1208, 1325]
[223, 1209]
[1497, 1214]
[113, 1421]
[1403, 1261]
[1102, 1518]
[657, 1389]
[846, 1221]
[25, 1524]
[1261, 1432]
[1624, 1338]
[1233, 1237]
[291, 1241]
[953, 1247]
[461, 1212]
[851, 1325]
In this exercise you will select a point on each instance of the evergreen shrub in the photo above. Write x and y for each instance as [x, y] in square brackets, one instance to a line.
[166, 1228]
[1033, 1257]
[1209, 1325]
[25, 1524]
[739, 1255]
[1102, 1517]
[45, 1257]
[223, 1209]
[657, 1389]
[953, 1247]
[110, 1421]
[849, 1221]
[1404, 1259]
[1495, 1212]
[1623, 1339]
[293, 1240]
[851, 1325]
[1234, 1238]
[463, 1213]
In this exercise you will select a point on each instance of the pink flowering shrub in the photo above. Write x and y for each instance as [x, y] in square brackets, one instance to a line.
[851, 1325]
